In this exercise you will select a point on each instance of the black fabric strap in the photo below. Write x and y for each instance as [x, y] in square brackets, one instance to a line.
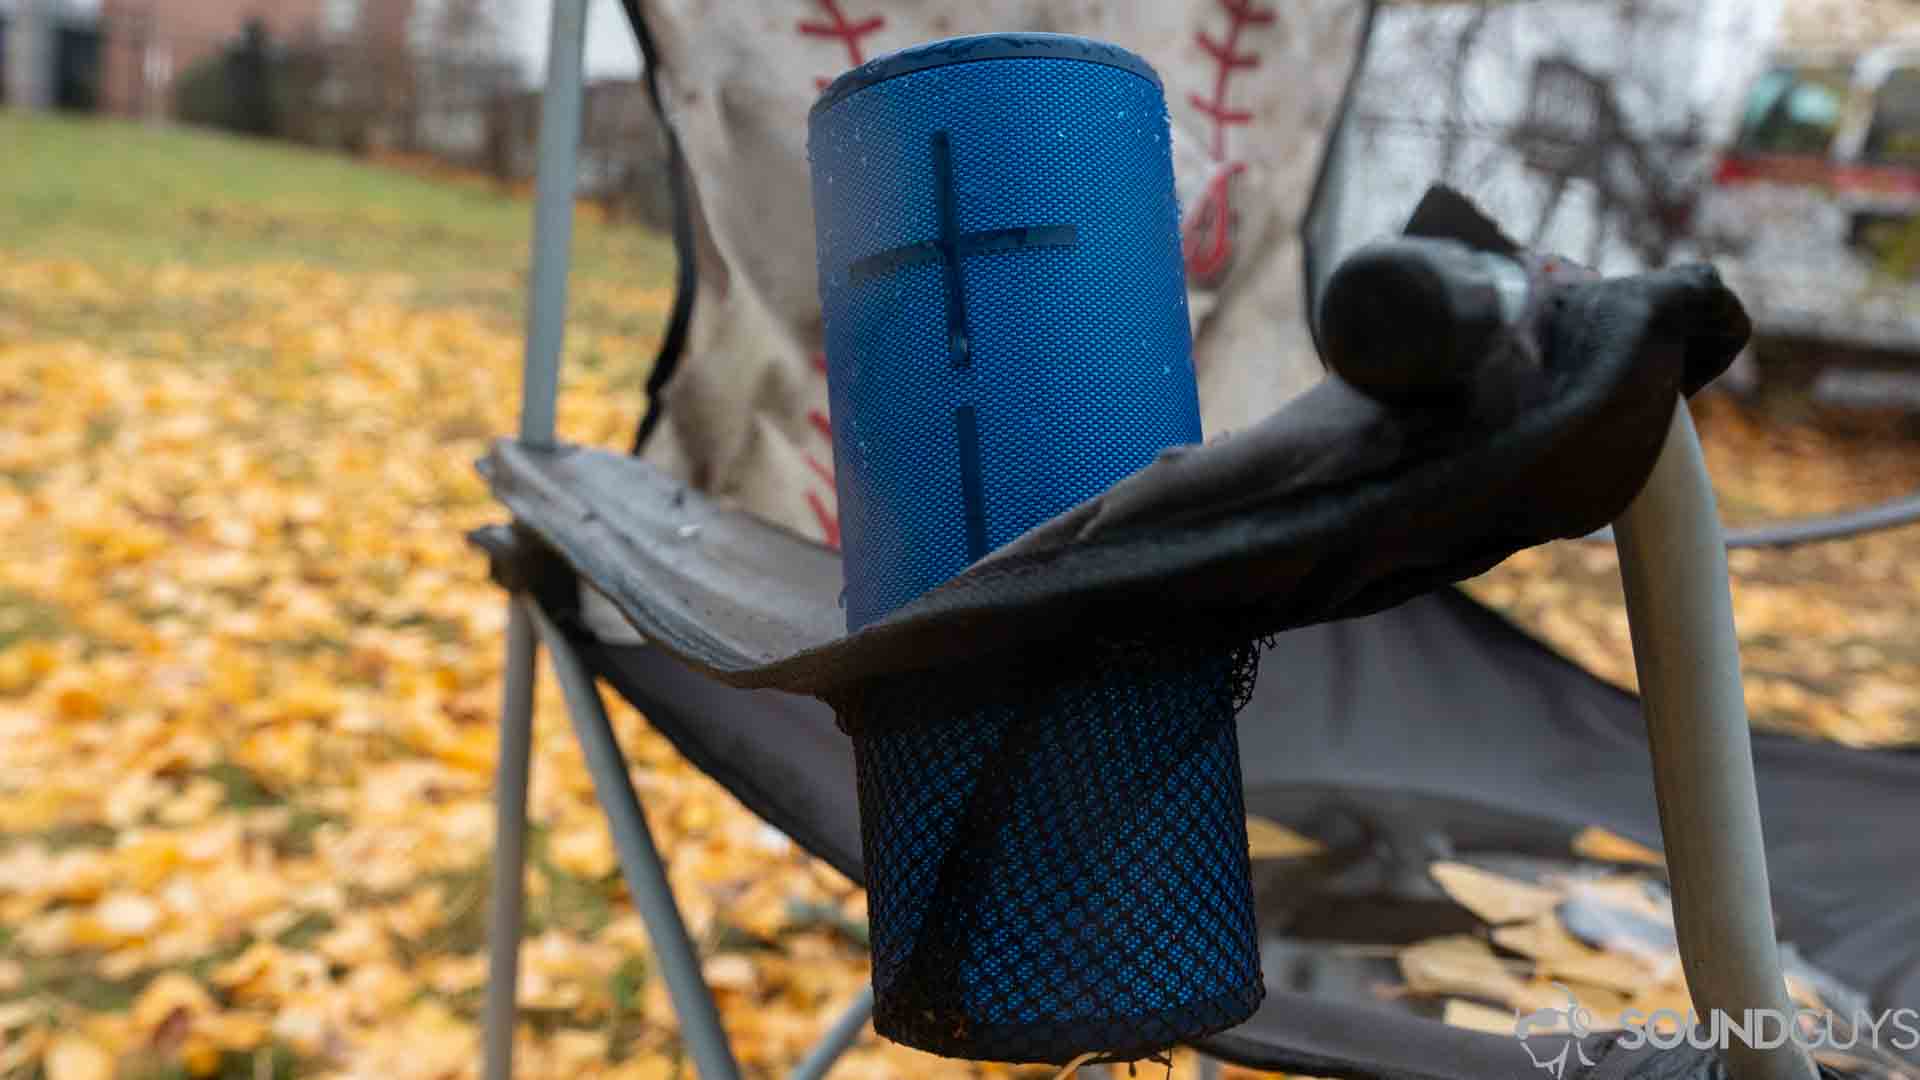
[673, 342]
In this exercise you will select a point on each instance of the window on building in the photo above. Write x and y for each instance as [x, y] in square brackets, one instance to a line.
[1794, 110]
[1893, 138]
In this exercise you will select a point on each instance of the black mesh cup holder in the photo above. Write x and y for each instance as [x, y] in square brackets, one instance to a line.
[1058, 864]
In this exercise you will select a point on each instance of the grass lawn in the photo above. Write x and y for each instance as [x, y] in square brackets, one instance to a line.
[112, 192]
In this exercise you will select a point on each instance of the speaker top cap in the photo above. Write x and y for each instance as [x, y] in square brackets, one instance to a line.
[963, 50]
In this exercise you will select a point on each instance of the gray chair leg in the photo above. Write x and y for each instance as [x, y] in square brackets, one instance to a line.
[842, 1035]
[509, 842]
[640, 862]
[1673, 567]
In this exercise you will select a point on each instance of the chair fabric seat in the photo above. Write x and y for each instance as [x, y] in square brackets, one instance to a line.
[1434, 726]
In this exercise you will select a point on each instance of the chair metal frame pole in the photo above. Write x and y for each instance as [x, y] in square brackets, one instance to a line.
[1673, 564]
[506, 912]
[646, 877]
[640, 862]
[527, 627]
[555, 180]
[839, 1038]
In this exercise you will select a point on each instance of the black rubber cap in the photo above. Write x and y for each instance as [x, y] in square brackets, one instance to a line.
[1410, 318]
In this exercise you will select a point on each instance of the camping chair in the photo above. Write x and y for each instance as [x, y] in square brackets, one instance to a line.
[1392, 714]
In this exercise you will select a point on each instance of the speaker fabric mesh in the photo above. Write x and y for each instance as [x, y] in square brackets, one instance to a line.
[1056, 864]
[1079, 355]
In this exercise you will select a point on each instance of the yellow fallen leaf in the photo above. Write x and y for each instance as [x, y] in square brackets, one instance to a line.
[762, 911]
[309, 699]
[20, 1053]
[234, 1031]
[194, 804]
[1604, 1008]
[1623, 891]
[1459, 964]
[79, 702]
[695, 816]
[24, 664]
[18, 1014]
[117, 920]
[574, 1052]
[1560, 956]
[303, 1025]
[1538, 939]
[146, 859]
[475, 750]
[1268, 839]
[730, 971]
[549, 993]
[645, 1067]
[358, 941]
[167, 1001]
[421, 912]
[456, 974]
[584, 851]
[270, 974]
[1600, 845]
[1492, 897]
[1477, 1017]
[376, 989]
[72, 1057]
[199, 1056]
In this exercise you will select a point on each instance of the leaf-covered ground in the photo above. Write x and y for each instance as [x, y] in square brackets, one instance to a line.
[1829, 633]
[249, 669]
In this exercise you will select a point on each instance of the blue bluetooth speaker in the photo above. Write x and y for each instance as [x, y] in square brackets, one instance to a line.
[1055, 866]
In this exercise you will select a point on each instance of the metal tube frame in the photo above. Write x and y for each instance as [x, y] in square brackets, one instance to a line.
[838, 1039]
[556, 179]
[640, 862]
[554, 182]
[527, 627]
[1673, 565]
[506, 913]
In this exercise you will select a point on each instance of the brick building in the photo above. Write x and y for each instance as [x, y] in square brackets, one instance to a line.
[150, 43]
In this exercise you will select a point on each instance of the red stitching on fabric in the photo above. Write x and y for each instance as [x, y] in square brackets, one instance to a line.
[848, 32]
[1208, 245]
[840, 28]
[829, 522]
[1244, 11]
[820, 469]
[1223, 118]
[1224, 53]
